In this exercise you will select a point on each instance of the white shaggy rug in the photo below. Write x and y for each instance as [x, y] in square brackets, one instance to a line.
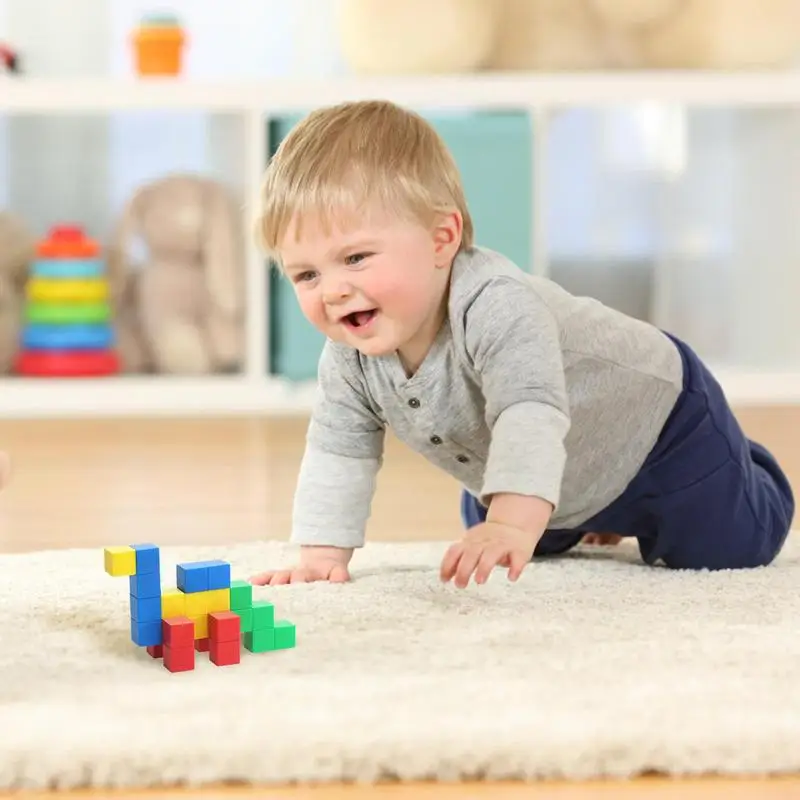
[592, 665]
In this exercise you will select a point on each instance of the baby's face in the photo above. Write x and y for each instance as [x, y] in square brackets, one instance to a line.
[377, 287]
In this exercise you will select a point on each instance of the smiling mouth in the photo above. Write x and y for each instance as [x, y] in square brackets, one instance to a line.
[358, 319]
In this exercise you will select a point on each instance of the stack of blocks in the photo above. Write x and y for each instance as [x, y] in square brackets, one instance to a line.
[205, 612]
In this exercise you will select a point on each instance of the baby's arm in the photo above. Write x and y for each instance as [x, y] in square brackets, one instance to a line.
[513, 342]
[337, 479]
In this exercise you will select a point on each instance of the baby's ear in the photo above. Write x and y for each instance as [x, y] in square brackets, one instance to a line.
[447, 234]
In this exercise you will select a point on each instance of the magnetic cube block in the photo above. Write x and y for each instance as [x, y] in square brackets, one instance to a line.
[263, 615]
[146, 609]
[246, 617]
[147, 558]
[219, 575]
[218, 600]
[224, 626]
[200, 626]
[147, 585]
[155, 650]
[179, 659]
[193, 576]
[201, 645]
[196, 603]
[146, 634]
[178, 632]
[119, 561]
[241, 595]
[285, 634]
[173, 604]
[260, 641]
[225, 654]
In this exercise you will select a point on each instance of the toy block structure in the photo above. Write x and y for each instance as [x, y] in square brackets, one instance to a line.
[67, 329]
[206, 611]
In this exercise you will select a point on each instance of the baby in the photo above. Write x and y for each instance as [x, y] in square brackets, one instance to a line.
[559, 416]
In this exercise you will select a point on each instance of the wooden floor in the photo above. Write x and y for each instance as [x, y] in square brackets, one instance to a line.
[93, 483]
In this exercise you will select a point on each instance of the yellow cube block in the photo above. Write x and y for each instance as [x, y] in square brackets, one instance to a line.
[196, 603]
[173, 604]
[219, 600]
[200, 626]
[119, 561]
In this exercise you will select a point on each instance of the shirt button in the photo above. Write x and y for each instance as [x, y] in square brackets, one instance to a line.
[436, 439]
[413, 402]
[462, 459]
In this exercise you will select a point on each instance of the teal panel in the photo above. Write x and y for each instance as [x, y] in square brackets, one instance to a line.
[494, 155]
[295, 344]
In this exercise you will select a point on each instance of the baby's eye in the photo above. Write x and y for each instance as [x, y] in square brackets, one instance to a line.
[356, 258]
[303, 277]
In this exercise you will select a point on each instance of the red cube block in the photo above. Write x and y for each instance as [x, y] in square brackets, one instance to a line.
[201, 645]
[155, 650]
[224, 626]
[179, 659]
[178, 632]
[225, 654]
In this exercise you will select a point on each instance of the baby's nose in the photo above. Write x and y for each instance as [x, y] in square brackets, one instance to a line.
[337, 293]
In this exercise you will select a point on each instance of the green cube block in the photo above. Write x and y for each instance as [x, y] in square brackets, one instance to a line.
[241, 595]
[245, 619]
[285, 634]
[263, 615]
[260, 641]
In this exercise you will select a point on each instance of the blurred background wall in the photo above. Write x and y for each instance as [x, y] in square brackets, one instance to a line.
[683, 216]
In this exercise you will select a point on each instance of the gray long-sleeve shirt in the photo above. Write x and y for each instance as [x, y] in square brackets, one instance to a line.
[526, 389]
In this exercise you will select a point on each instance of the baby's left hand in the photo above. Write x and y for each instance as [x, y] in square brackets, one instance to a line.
[484, 547]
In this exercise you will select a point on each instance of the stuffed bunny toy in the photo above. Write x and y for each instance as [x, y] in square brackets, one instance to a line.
[380, 37]
[176, 270]
[17, 251]
[651, 34]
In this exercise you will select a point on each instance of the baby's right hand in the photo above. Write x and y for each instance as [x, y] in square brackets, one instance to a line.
[316, 564]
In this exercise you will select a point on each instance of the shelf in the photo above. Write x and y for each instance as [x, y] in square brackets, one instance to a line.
[249, 102]
[169, 396]
[132, 396]
[743, 387]
[21, 95]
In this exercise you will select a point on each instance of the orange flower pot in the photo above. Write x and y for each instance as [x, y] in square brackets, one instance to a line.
[158, 47]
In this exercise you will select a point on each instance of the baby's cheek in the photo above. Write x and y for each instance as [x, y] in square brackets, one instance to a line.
[312, 308]
[396, 292]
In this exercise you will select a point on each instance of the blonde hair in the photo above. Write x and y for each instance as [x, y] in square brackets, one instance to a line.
[340, 160]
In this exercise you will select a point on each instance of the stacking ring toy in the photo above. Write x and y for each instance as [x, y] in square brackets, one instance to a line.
[67, 363]
[67, 241]
[88, 290]
[61, 313]
[69, 268]
[67, 337]
[68, 330]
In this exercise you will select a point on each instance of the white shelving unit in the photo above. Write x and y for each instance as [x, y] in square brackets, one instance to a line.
[248, 104]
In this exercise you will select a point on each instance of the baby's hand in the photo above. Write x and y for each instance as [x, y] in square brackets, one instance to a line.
[316, 564]
[484, 547]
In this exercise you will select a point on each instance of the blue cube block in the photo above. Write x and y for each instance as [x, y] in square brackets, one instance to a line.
[147, 585]
[192, 576]
[146, 634]
[219, 575]
[146, 609]
[147, 558]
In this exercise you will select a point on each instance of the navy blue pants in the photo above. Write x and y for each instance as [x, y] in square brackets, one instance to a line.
[706, 497]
